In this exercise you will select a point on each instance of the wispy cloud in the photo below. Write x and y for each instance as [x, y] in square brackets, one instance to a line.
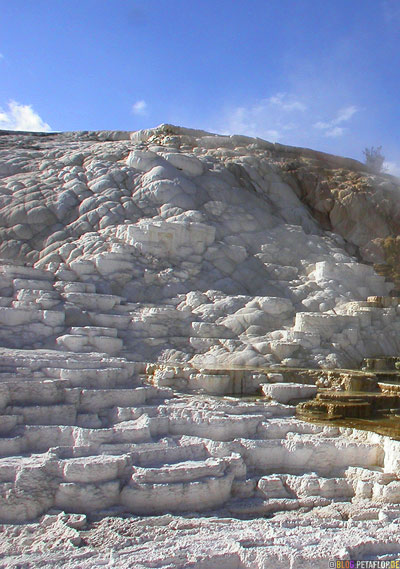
[335, 132]
[140, 108]
[1, 56]
[287, 102]
[252, 121]
[346, 114]
[331, 127]
[22, 117]
[269, 118]
[283, 117]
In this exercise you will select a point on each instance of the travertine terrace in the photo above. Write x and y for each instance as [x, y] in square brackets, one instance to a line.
[144, 277]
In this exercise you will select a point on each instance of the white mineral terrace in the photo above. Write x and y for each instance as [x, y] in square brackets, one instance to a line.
[145, 280]
[85, 434]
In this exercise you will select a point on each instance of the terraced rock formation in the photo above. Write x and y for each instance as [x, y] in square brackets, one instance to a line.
[144, 278]
[221, 249]
[86, 444]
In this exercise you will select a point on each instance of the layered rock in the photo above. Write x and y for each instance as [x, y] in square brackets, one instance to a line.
[86, 443]
[86, 434]
[194, 247]
[139, 269]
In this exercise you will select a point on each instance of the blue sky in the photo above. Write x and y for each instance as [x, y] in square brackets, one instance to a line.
[318, 73]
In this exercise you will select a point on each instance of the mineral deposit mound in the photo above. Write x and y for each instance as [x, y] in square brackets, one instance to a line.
[149, 282]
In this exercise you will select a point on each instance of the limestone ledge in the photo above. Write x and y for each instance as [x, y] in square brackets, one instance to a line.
[87, 433]
[247, 252]
[229, 263]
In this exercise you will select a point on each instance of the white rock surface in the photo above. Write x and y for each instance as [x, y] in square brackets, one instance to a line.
[205, 254]
[209, 231]
[285, 392]
[151, 454]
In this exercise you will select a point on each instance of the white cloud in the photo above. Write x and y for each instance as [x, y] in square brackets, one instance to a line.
[345, 114]
[22, 117]
[335, 132]
[139, 108]
[1, 56]
[331, 127]
[270, 118]
[322, 125]
[287, 102]
[292, 118]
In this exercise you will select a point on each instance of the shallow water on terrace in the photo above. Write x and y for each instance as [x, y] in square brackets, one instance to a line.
[388, 426]
[382, 423]
[246, 397]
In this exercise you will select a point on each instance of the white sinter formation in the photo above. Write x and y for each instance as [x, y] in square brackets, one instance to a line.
[138, 271]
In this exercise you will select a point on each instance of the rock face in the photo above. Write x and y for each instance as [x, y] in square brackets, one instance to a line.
[177, 245]
[138, 266]
[84, 438]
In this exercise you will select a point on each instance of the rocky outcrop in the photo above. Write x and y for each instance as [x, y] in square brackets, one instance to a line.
[88, 448]
[84, 434]
[143, 276]
[177, 245]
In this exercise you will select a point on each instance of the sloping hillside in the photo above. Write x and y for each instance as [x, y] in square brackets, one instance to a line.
[216, 248]
[218, 257]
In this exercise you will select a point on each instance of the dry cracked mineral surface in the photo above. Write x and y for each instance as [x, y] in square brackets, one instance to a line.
[145, 279]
